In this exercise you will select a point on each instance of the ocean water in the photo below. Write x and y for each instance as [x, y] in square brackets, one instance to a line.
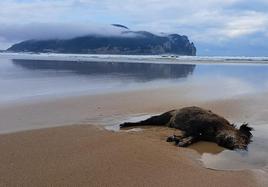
[26, 76]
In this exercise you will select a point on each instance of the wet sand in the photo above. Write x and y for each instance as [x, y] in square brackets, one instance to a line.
[88, 155]
[32, 114]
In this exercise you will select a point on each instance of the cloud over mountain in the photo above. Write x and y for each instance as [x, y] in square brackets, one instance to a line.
[209, 23]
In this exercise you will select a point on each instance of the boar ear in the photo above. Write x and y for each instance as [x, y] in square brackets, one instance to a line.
[246, 130]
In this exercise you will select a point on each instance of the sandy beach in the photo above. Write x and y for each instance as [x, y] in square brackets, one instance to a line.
[132, 93]
[86, 154]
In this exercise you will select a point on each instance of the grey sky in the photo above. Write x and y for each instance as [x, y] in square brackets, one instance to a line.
[217, 27]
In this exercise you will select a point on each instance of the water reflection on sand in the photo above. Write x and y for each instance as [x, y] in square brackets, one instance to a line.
[136, 71]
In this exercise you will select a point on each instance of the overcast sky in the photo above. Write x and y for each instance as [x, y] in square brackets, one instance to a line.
[217, 27]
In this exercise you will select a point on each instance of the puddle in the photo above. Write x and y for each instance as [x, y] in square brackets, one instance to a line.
[112, 123]
[255, 158]
[206, 147]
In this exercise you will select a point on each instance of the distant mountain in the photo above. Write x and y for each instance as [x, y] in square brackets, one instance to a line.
[126, 42]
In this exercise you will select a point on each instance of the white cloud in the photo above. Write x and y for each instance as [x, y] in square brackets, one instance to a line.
[248, 23]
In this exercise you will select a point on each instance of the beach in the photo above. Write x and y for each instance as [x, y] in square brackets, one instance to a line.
[59, 121]
[133, 93]
[86, 154]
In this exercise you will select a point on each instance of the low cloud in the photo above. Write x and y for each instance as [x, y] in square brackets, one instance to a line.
[55, 30]
[10, 34]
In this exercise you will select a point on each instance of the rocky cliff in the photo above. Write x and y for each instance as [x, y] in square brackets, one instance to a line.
[127, 42]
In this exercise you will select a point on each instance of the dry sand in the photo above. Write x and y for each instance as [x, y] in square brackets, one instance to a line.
[87, 155]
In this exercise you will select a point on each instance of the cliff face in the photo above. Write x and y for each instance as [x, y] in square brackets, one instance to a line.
[128, 43]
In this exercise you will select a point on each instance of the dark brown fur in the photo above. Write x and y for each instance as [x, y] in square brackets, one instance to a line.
[199, 124]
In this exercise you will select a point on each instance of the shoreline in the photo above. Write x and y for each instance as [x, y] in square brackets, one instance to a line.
[50, 112]
[155, 59]
[58, 154]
